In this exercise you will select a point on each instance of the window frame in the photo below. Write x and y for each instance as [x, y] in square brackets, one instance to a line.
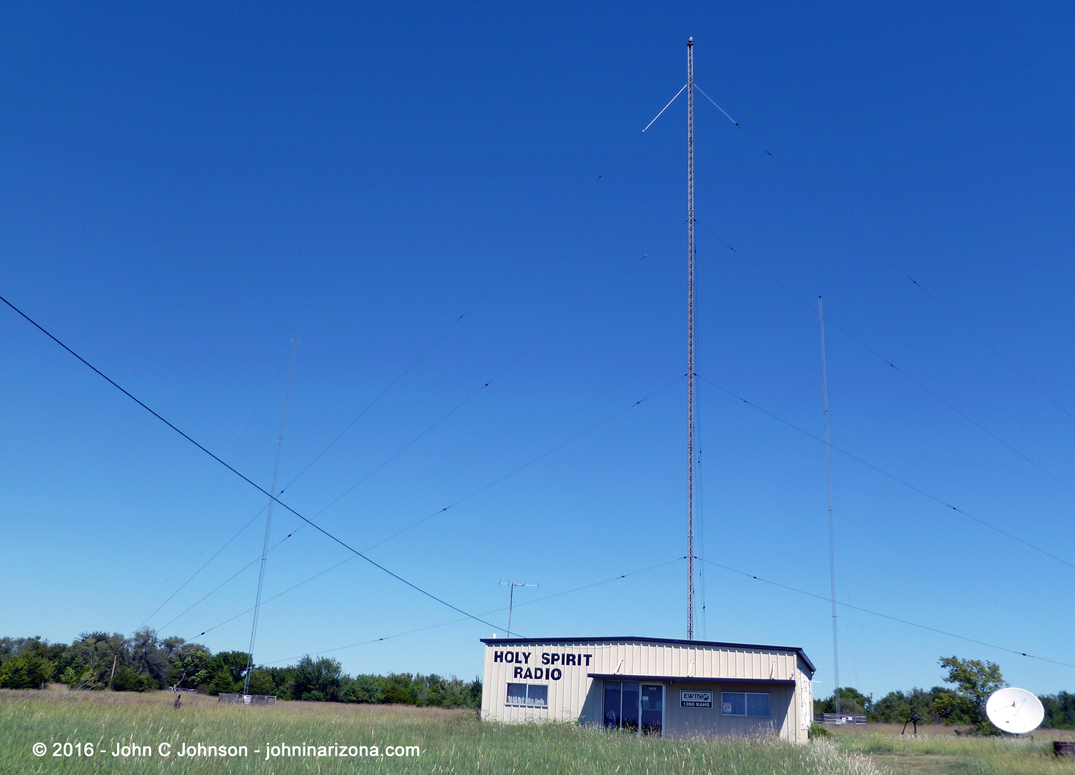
[543, 705]
[746, 705]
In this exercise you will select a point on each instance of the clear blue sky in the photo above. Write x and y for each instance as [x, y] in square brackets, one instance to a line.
[187, 186]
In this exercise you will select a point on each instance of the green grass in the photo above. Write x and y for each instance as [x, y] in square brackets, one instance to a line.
[453, 741]
[939, 751]
[450, 741]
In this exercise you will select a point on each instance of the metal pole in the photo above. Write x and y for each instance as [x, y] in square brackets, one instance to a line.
[690, 337]
[828, 482]
[511, 604]
[268, 519]
[511, 598]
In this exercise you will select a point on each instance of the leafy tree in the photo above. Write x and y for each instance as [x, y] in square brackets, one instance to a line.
[127, 679]
[1059, 711]
[283, 679]
[318, 680]
[221, 683]
[233, 663]
[852, 702]
[896, 707]
[91, 657]
[949, 707]
[261, 682]
[27, 663]
[975, 681]
[147, 657]
[398, 689]
[188, 665]
[362, 688]
[893, 708]
[226, 672]
[25, 671]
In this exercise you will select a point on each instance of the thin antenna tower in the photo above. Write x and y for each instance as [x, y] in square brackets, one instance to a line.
[690, 337]
[511, 598]
[268, 520]
[689, 86]
[701, 537]
[828, 481]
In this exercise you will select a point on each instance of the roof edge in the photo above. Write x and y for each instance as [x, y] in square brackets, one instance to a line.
[641, 639]
[691, 679]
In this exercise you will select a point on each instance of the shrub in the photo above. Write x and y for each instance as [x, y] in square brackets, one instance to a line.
[818, 732]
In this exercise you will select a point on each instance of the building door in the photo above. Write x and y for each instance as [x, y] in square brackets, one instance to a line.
[633, 706]
[652, 709]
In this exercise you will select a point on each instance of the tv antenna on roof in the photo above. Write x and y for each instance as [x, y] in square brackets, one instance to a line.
[689, 86]
[1016, 711]
[511, 598]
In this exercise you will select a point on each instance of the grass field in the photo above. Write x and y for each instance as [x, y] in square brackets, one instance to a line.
[150, 735]
[938, 750]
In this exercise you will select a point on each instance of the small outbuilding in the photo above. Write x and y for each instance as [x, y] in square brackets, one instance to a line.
[675, 688]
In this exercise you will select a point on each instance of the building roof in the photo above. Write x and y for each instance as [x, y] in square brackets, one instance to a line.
[656, 641]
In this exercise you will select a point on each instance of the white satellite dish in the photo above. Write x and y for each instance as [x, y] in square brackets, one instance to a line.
[1014, 710]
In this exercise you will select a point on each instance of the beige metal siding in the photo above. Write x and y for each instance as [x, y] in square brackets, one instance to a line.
[573, 695]
[567, 696]
[695, 722]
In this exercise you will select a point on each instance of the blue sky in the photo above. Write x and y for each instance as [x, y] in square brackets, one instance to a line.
[435, 198]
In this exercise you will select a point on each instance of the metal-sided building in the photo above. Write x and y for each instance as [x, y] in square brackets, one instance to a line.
[677, 688]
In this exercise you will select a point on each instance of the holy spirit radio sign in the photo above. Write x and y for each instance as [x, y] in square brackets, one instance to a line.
[696, 699]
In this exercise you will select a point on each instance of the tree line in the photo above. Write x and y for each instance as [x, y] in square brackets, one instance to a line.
[145, 662]
[963, 704]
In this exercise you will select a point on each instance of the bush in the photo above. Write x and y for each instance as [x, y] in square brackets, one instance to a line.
[818, 732]
[129, 680]
[25, 671]
[222, 684]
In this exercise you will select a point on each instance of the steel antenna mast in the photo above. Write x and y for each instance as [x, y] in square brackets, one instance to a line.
[268, 520]
[690, 337]
[828, 481]
[689, 86]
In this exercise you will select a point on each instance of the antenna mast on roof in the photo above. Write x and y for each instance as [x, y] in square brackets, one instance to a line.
[511, 598]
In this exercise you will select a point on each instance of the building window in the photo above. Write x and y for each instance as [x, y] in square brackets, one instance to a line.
[621, 705]
[528, 695]
[744, 704]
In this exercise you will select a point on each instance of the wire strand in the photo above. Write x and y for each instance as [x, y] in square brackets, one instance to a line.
[891, 618]
[446, 508]
[876, 248]
[246, 479]
[893, 477]
[486, 613]
[903, 373]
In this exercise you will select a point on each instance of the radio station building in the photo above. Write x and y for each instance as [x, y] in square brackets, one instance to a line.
[675, 688]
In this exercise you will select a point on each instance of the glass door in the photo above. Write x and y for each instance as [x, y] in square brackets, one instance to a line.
[622, 705]
[652, 709]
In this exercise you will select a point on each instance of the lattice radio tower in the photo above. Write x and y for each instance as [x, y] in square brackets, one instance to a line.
[689, 86]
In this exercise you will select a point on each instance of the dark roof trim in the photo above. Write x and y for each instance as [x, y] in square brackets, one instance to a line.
[690, 679]
[635, 638]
